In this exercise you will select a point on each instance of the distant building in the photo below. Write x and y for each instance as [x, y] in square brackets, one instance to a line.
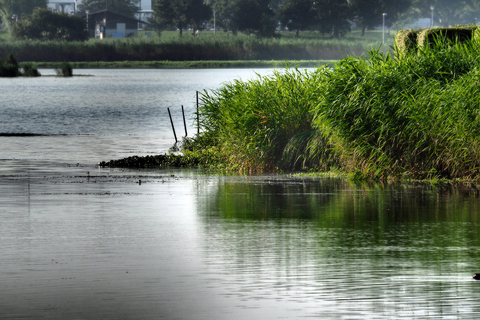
[109, 24]
[68, 6]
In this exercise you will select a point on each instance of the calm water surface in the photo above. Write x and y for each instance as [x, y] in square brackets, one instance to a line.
[80, 242]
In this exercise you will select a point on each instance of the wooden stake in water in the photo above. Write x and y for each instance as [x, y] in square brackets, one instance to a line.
[198, 118]
[184, 123]
[173, 128]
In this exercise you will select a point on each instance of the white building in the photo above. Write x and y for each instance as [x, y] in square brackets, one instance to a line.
[69, 5]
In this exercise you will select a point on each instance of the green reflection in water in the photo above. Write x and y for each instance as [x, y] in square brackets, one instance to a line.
[342, 249]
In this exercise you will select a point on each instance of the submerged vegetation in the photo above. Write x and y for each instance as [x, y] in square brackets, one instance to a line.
[412, 116]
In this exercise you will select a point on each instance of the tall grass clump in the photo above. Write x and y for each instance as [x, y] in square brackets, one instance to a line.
[266, 123]
[9, 67]
[411, 116]
[65, 69]
[415, 115]
[30, 70]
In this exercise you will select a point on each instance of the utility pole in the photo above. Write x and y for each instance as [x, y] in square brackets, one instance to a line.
[384, 14]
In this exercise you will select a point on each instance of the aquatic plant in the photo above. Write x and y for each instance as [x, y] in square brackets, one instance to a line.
[267, 123]
[65, 70]
[30, 70]
[9, 68]
[412, 116]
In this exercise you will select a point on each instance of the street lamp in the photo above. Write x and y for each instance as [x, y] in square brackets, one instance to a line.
[384, 14]
[86, 13]
[432, 8]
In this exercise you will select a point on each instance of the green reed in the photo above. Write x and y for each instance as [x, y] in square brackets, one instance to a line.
[186, 48]
[413, 116]
[266, 123]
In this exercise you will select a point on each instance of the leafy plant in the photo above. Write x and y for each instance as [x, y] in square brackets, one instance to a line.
[65, 70]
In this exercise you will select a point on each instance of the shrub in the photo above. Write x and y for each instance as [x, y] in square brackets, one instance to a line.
[65, 70]
[9, 68]
[30, 70]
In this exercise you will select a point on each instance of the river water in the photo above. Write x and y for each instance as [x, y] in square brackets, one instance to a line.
[82, 242]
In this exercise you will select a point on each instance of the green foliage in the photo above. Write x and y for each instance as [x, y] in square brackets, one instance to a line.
[9, 8]
[44, 25]
[181, 14]
[297, 14]
[9, 68]
[265, 123]
[65, 70]
[125, 7]
[203, 47]
[333, 17]
[369, 13]
[414, 116]
[30, 70]
[445, 13]
[253, 16]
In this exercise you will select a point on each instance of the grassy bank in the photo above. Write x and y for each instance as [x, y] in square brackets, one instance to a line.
[412, 117]
[171, 47]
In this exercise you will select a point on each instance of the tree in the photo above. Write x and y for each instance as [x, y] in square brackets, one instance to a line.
[181, 14]
[43, 24]
[333, 17]
[19, 7]
[254, 16]
[394, 10]
[125, 7]
[445, 12]
[223, 13]
[369, 13]
[297, 14]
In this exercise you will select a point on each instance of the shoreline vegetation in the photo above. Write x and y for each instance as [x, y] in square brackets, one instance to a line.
[411, 116]
[169, 48]
[203, 64]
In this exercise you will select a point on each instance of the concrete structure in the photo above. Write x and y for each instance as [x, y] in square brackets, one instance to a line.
[105, 23]
[67, 5]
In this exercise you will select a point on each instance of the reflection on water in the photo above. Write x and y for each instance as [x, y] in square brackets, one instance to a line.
[330, 249]
[185, 245]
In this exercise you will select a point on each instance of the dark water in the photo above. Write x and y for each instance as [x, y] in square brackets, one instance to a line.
[80, 242]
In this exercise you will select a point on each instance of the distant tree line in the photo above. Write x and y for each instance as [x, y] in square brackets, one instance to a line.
[330, 17]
